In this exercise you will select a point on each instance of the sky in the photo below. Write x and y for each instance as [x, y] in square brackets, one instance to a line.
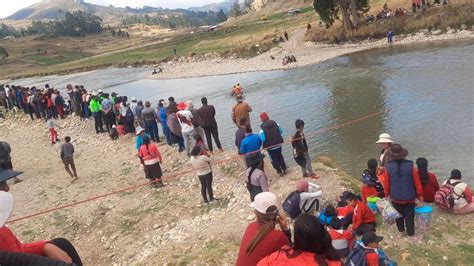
[9, 7]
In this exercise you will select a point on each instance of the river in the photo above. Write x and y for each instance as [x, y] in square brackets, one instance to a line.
[424, 93]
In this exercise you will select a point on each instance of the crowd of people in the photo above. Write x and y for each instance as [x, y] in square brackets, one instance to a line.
[324, 234]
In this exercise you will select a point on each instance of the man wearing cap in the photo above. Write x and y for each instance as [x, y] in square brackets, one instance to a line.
[240, 110]
[149, 119]
[402, 184]
[187, 128]
[255, 245]
[6, 159]
[271, 135]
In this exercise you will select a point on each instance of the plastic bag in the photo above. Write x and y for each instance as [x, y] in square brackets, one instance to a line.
[389, 213]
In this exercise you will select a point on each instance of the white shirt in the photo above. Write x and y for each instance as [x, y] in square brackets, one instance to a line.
[184, 118]
[202, 164]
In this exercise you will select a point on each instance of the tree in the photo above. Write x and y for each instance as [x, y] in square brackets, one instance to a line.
[221, 16]
[235, 10]
[329, 10]
[3, 53]
[248, 5]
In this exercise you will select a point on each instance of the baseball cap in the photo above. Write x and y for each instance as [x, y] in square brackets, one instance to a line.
[8, 174]
[263, 201]
[371, 237]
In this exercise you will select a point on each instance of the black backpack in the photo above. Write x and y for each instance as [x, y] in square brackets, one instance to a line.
[4, 154]
[291, 205]
[129, 117]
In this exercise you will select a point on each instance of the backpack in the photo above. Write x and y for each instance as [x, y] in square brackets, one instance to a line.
[368, 180]
[357, 257]
[3, 153]
[291, 205]
[129, 116]
[444, 196]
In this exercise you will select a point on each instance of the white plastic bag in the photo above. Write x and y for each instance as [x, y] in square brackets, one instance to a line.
[389, 213]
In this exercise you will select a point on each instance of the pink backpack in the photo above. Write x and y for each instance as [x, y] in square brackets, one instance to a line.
[444, 196]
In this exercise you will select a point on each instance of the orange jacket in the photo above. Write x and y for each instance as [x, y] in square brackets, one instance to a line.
[362, 215]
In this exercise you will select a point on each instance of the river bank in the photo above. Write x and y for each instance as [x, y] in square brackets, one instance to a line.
[169, 225]
[306, 53]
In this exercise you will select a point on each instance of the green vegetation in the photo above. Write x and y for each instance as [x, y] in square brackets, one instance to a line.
[441, 17]
[331, 10]
[179, 18]
[44, 59]
[77, 23]
[3, 53]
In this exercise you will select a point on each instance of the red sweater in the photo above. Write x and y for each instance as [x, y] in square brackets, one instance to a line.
[431, 187]
[281, 258]
[416, 181]
[371, 259]
[362, 215]
[271, 243]
[9, 243]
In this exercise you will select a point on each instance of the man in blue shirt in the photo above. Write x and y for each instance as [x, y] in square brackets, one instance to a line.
[250, 143]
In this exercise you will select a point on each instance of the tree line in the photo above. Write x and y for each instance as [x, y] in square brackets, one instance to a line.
[179, 18]
[347, 11]
[77, 23]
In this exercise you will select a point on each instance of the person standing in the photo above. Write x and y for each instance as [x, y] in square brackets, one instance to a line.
[240, 133]
[77, 101]
[300, 150]
[6, 159]
[255, 178]
[108, 114]
[151, 160]
[149, 118]
[96, 111]
[138, 113]
[209, 124]
[271, 135]
[390, 35]
[187, 129]
[385, 140]
[250, 145]
[196, 119]
[202, 165]
[286, 36]
[59, 103]
[175, 130]
[51, 123]
[163, 120]
[241, 110]
[67, 156]
[402, 184]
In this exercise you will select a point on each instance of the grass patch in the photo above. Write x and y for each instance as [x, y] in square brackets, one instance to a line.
[276, 16]
[440, 17]
[48, 60]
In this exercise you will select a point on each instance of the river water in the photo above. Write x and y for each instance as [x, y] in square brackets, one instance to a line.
[425, 93]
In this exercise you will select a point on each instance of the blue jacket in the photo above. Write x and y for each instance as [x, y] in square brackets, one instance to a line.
[139, 141]
[402, 186]
[163, 117]
[250, 143]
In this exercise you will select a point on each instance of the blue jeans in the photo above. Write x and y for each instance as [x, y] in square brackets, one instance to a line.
[167, 133]
[87, 111]
[152, 130]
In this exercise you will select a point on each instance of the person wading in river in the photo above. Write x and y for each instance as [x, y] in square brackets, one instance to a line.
[241, 110]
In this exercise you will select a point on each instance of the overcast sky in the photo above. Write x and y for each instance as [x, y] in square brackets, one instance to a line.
[9, 7]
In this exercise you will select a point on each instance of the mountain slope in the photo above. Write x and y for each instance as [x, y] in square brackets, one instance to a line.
[225, 6]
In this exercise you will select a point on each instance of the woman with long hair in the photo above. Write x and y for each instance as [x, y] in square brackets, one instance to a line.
[371, 186]
[428, 180]
[151, 160]
[312, 246]
[261, 238]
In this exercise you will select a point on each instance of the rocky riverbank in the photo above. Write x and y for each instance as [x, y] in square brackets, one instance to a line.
[168, 225]
[306, 53]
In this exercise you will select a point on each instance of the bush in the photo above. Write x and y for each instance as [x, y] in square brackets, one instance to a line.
[440, 17]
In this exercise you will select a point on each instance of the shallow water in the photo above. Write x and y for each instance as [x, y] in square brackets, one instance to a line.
[427, 92]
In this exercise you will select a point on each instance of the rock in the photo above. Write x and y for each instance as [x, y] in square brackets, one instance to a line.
[424, 31]
[463, 27]
[436, 32]
[250, 217]
[451, 31]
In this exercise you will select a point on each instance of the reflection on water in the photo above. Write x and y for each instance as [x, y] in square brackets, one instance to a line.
[427, 90]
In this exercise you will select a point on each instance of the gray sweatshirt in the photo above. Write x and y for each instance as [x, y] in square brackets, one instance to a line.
[67, 151]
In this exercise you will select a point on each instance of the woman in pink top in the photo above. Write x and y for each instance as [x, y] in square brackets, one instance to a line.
[151, 159]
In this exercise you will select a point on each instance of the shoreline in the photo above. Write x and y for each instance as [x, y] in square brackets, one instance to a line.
[306, 53]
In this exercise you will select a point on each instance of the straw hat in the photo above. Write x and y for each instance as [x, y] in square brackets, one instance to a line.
[385, 138]
[6, 207]
[397, 152]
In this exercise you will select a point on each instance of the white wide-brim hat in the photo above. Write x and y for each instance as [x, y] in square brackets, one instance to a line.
[6, 207]
[385, 138]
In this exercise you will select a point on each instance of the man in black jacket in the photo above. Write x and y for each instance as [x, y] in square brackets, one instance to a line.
[272, 139]
[209, 124]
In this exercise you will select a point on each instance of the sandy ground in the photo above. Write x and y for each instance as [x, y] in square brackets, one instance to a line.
[154, 226]
[306, 53]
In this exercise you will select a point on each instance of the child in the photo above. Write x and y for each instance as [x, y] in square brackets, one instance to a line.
[201, 145]
[342, 240]
[120, 128]
[363, 218]
[67, 156]
[300, 150]
[51, 124]
[327, 214]
[368, 252]
[371, 187]
[310, 195]
[113, 133]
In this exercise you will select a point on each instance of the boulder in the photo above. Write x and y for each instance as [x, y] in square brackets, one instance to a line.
[463, 27]
[451, 31]
[436, 32]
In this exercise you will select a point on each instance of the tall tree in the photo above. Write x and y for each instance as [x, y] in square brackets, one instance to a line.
[235, 10]
[329, 11]
[221, 16]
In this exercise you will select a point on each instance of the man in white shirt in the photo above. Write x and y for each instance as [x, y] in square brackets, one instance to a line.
[187, 129]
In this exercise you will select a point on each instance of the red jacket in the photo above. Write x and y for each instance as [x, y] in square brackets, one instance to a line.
[9, 243]
[371, 259]
[430, 188]
[270, 243]
[343, 235]
[344, 211]
[368, 191]
[416, 182]
[281, 257]
[362, 215]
